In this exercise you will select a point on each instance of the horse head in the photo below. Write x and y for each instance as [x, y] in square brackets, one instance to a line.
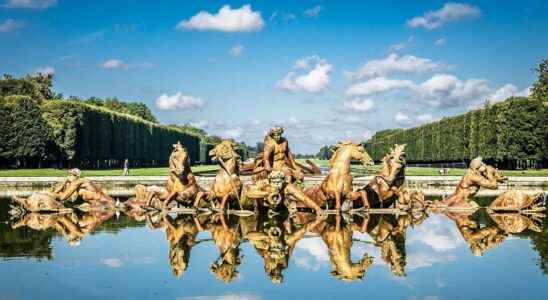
[395, 161]
[355, 151]
[179, 160]
[224, 151]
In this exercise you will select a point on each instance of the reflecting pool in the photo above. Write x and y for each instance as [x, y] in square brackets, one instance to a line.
[109, 255]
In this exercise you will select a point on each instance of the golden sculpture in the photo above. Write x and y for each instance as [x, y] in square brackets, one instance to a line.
[73, 188]
[227, 237]
[227, 185]
[337, 185]
[477, 176]
[389, 183]
[278, 157]
[388, 232]
[181, 186]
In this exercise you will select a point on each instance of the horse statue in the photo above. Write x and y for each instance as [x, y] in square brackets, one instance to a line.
[181, 186]
[390, 182]
[227, 185]
[338, 182]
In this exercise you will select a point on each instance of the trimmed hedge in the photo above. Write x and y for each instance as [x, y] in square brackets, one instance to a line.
[509, 134]
[88, 136]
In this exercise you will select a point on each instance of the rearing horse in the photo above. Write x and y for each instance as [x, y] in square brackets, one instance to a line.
[227, 184]
[338, 182]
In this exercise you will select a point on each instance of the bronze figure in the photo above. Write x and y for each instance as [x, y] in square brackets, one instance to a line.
[227, 185]
[337, 185]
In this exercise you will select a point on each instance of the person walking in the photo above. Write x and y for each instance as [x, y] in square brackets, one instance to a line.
[126, 167]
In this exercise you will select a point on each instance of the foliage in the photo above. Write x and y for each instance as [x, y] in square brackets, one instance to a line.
[37, 87]
[508, 133]
[325, 152]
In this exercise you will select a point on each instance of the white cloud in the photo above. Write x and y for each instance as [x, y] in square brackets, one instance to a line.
[402, 119]
[422, 259]
[34, 4]
[179, 101]
[359, 105]
[507, 91]
[425, 118]
[315, 81]
[112, 262]
[242, 19]
[438, 233]
[288, 16]
[114, 63]
[445, 90]
[440, 42]
[313, 12]
[47, 70]
[91, 37]
[200, 124]
[403, 45]
[10, 25]
[233, 133]
[237, 50]
[394, 63]
[239, 296]
[377, 85]
[450, 12]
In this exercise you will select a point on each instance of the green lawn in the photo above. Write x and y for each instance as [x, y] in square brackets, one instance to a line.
[356, 170]
[423, 171]
[110, 172]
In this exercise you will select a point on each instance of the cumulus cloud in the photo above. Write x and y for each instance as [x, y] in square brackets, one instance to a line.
[359, 105]
[445, 90]
[237, 50]
[238, 296]
[403, 45]
[377, 85]
[179, 101]
[437, 232]
[33, 4]
[47, 70]
[423, 259]
[10, 25]
[404, 119]
[395, 63]
[313, 12]
[440, 42]
[242, 19]
[114, 63]
[450, 12]
[507, 91]
[314, 81]
[233, 133]
[112, 262]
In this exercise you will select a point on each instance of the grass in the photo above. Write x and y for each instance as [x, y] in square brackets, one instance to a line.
[108, 172]
[199, 169]
[424, 171]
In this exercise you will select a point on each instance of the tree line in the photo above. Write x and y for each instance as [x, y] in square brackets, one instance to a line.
[510, 134]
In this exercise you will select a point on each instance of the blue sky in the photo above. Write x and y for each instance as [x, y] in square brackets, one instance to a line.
[326, 70]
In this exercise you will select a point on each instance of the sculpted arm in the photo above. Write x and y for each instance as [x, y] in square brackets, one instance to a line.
[291, 159]
[267, 152]
[484, 182]
[71, 189]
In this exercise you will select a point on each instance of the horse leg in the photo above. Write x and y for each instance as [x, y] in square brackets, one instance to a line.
[337, 201]
[223, 201]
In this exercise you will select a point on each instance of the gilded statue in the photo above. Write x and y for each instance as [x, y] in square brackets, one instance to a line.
[181, 186]
[226, 186]
[477, 176]
[274, 193]
[74, 187]
[227, 236]
[278, 157]
[337, 185]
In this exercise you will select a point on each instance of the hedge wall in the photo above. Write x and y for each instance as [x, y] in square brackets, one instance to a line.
[509, 134]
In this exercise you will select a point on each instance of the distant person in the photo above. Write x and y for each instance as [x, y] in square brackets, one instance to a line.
[126, 167]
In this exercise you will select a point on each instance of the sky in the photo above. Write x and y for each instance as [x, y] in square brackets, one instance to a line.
[325, 70]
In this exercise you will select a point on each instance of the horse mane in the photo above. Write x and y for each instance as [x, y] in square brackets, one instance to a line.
[336, 152]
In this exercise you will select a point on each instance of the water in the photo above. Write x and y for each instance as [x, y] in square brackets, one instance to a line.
[129, 259]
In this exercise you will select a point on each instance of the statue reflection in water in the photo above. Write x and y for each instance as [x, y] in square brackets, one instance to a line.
[481, 238]
[275, 240]
[72, 226]
[227, 236]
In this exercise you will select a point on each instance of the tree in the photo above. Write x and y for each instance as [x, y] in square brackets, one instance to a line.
[325, 152]
[37, 87]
